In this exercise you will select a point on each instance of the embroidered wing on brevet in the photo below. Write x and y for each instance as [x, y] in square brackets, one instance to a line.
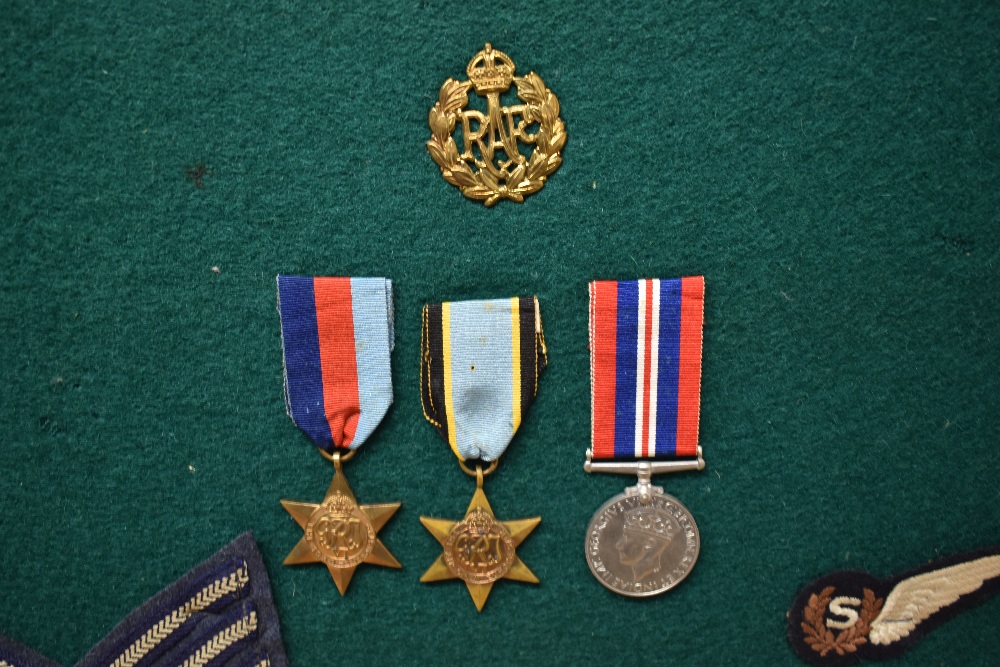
[916, 599]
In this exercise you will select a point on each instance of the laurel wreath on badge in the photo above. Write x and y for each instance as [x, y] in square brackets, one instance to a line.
[490, 185]
[822, 639]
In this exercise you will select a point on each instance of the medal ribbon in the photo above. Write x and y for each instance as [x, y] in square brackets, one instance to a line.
[645, 367]
[479, 371]
[336, 337]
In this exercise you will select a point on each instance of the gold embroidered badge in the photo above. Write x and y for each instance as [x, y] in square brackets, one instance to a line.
[492, 165]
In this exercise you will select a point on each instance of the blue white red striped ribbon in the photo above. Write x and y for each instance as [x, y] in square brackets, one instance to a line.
[645, 365]
[336, 336]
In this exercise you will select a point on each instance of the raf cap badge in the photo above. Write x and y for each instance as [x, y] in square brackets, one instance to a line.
[492, 165]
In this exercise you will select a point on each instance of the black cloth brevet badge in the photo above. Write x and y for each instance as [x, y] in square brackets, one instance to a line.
[845, 617]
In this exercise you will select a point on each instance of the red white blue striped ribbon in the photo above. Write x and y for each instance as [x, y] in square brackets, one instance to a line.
[645, 367]
[336, 336]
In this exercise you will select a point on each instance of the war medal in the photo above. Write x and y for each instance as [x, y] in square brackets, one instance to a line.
[645, 370]
[490, 141]
[479, 375]
[336, 336]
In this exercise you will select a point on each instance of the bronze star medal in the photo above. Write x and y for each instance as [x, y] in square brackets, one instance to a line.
[339, 532]
[479, 376]
[336, 343]
[479, 549]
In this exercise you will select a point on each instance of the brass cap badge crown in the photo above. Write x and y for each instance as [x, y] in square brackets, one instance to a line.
[494, 162]
[487, 75]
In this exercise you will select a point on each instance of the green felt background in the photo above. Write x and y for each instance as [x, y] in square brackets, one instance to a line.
[832, 168]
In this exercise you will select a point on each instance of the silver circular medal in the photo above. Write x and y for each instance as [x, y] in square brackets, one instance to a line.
[642, 546]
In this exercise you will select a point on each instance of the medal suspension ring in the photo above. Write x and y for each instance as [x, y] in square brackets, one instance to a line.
[490, 183]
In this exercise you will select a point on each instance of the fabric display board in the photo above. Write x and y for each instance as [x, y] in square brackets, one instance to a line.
[831, 170]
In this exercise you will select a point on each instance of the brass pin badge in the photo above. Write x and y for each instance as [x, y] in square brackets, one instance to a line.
[492, 165]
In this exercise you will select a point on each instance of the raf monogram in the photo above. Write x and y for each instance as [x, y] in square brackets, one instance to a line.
[479, 549]
[340, 533]
[491, 141]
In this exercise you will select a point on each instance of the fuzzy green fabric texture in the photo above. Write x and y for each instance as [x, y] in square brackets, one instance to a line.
[831, 168]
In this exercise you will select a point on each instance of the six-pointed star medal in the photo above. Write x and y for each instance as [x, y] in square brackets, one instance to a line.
[479, 550]
[340, 533]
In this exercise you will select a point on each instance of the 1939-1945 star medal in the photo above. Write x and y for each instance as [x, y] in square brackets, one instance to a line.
[337, 337]
[491, 165]
[339, 532]
[645, 347]
[479, 375]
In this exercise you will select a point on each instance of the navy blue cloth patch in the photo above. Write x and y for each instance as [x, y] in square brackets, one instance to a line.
[13, 654]
[219, 613]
